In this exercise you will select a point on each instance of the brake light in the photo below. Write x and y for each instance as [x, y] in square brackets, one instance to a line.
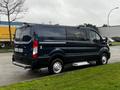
[35, 47]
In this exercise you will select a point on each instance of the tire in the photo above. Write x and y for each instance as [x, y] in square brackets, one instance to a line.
[103, 59]
[56, 66]
[3, 45]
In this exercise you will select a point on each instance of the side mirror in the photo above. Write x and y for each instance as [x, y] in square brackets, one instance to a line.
[105, 39]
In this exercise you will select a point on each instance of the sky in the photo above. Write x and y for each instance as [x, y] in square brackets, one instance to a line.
[72, 12]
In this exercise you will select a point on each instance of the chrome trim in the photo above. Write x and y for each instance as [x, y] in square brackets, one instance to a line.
[21, 65]
[22, 42]
[52, 42]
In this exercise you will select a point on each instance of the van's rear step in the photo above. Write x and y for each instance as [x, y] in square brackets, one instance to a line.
[21, 65]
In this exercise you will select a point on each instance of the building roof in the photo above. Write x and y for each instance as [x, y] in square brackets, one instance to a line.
[12, 23]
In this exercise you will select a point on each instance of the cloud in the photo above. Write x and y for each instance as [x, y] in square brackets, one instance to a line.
[71, 12]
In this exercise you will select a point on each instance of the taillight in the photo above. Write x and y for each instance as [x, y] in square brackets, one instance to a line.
[35, 49]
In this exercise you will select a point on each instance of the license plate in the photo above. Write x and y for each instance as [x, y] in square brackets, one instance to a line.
[19, 50]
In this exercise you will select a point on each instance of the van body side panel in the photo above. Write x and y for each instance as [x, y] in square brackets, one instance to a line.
[79, 51]
[51, 48]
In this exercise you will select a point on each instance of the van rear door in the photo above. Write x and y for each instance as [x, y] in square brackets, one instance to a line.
[23, 45]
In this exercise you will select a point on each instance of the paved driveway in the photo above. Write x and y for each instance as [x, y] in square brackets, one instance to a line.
[115, 54]
[12, 74]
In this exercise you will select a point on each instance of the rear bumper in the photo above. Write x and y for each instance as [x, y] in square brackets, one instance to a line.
[21, 65]
[26, 62]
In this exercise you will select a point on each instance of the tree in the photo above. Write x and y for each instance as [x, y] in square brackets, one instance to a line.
[13, 10]
[90, 26]
[105, 25]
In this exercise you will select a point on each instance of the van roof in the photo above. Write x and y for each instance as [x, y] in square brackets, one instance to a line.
[57, 25]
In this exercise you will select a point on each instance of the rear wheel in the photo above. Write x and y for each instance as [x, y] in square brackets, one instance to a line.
[56, 66]
[103, 59]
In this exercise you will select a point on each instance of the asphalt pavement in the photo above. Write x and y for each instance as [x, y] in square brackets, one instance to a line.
[10, 73]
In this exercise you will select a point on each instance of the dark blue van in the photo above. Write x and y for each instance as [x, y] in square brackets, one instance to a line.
[53, 46]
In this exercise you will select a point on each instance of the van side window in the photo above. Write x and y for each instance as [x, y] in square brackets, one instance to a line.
[51, 33]
[76, 34]
[93, 35]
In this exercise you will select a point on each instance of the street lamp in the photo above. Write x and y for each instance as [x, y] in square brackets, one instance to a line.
[108, 18]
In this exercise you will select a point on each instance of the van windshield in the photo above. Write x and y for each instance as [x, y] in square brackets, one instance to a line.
[23, 34]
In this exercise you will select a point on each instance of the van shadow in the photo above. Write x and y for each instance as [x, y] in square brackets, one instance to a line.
[44, 72]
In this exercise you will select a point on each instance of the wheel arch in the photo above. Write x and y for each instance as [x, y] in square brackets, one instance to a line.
[57, 55]
[106, 51]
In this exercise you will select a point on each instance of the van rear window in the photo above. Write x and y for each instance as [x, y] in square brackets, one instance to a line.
[23, 34]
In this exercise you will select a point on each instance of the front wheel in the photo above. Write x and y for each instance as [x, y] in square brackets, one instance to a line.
[103, 59]
[56, 66]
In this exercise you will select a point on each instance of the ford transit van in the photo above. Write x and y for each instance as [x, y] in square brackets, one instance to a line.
[37, 46]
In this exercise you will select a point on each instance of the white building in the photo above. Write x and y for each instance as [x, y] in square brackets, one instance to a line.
[112, 31]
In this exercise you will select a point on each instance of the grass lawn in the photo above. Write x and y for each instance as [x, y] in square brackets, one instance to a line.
[5, 50]
[105, 77]
[115, 43]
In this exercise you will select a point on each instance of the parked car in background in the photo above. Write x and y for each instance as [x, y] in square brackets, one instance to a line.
[110, 41]
[116, 39]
